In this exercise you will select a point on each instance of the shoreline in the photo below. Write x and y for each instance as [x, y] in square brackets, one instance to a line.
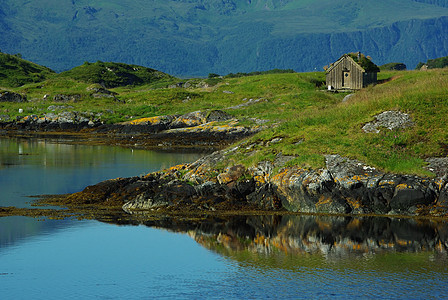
[345, 187]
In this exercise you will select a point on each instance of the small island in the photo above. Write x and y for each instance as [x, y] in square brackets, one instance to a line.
[273, 141]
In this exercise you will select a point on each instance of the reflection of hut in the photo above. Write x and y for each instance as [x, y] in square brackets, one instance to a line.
[352, 71]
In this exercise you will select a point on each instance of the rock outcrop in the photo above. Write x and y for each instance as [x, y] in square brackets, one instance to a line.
[349, 186]
[6, 96]
[201, 129]
[344, 186]
[390, 120]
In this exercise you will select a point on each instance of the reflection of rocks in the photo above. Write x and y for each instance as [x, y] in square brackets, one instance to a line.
[332, 237]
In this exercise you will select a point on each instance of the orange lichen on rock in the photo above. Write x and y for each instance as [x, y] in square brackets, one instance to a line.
[402, 186]
[323, 200]
[146, 121]
[354, 203]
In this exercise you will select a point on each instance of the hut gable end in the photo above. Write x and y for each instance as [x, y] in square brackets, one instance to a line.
[346, 73]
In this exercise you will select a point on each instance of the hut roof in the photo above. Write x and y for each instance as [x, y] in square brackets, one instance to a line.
[364, 62]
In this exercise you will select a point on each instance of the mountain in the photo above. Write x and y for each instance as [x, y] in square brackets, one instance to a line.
[197, 37]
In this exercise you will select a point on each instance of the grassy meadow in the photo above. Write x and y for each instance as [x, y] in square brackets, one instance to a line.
[305, 120]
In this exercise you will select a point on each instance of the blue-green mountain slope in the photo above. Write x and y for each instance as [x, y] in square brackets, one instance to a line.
[197, 37]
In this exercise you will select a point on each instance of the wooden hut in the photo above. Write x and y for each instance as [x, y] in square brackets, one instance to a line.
[352, 71]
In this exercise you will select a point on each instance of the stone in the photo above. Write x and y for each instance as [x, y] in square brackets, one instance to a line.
[59, 107]
[4, 118]
[217, 116]
[190, 119]
[391, 120]
[346, 98]
[66, 98]
[6, 96]
[231, 174]
[438, 165]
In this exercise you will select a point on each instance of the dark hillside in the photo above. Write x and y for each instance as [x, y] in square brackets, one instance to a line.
[112, 75]
[436, 63]
[15, 71]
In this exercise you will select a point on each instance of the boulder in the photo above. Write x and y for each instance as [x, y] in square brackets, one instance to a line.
[389, 119]
[217, 116]
[231, 174]
[190, 119]
[66, 98]
[6, 96]
[4, 118]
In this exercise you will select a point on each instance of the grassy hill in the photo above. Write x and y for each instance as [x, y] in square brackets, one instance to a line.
[304, 120]
[195, 37]
[15, 71]
[440, 62]
[110, 74]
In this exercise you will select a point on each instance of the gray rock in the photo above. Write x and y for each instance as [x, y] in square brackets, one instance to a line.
[4, 118]
[189, 119]
[438, 165]
[346, 98]
[100, 90]
[247, 103]
[218, 115]
[59, 107]
[281, 160]
[6, 96]
[263, 170]
[389, 119]
[66, 98]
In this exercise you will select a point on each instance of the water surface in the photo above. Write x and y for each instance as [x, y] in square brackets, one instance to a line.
[237, 257]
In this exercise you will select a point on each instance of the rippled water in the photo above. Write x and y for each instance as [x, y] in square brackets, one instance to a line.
[227, 257]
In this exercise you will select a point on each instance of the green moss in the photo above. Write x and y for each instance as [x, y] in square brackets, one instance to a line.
[364, 62]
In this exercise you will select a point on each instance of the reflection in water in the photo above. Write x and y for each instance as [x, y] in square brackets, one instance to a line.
[53, 153]
[329, 236]
[279, 256]
[37, 166]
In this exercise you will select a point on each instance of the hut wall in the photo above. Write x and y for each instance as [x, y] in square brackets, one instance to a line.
[335, 76]
[370, 78]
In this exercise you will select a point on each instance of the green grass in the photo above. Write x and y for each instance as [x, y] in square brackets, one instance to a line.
[15, 71]
[310, 121]
[111, 75]
[336, 128]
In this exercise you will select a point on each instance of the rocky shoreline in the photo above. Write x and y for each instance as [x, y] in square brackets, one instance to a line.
[343, 186]
[208, 130]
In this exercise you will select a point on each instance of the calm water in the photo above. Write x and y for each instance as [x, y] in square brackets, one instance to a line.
[232, 258]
